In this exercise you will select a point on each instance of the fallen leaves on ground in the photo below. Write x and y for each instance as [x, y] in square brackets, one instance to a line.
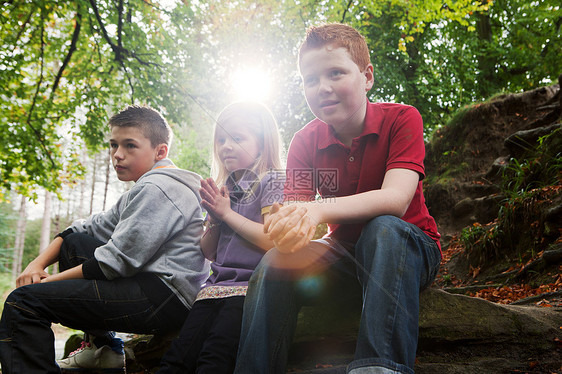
[511, 293]
[505, 294]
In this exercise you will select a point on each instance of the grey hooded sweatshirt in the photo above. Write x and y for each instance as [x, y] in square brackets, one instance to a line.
[155, 227]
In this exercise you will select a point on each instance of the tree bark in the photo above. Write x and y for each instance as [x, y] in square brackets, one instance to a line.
[20, 240]
[94, 172]
[486, 61]
[46, 224]
[82, 190]
[107, 175]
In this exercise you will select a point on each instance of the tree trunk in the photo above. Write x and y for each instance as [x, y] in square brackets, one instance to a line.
[55, 266]
[80, 211]
[486, 61]
[93, 184]
[20, 240]
[46, 224]
[107, 175]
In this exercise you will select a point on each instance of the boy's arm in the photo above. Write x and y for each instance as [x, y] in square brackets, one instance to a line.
[291, 227]
[100, 225]
[72, 273]
[146, 222]
[35, 271]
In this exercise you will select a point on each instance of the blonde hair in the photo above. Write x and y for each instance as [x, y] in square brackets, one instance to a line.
[266, 133]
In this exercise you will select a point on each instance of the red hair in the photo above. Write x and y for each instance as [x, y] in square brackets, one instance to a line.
[337, 35]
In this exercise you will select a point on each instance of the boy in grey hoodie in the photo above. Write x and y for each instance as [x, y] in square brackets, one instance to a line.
[135, 268]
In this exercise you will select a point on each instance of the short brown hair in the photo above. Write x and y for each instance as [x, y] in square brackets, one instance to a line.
[152, 124]
[337, 35]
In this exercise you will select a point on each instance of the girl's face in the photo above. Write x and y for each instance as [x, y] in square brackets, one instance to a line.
[237, 145]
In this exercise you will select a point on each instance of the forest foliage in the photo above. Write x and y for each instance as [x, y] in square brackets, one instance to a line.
[66, 66]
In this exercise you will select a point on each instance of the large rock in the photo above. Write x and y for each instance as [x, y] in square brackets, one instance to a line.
[458, 335]
[449, 318]
[461, 334]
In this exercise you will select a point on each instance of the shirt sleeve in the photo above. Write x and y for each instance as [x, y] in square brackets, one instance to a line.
[91, 269]
[407, 147]
[100, 225]
[147, 221]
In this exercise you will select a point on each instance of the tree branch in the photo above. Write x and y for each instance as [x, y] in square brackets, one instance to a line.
[93, 31]
[34, 101]
[102, 27]
[118, 48]
[153, 5]
[120, 25]
[130, 82]
[22, 28]
[345, 10]
[71, 50]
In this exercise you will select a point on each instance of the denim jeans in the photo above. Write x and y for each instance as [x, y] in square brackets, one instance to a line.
[26, 338]
[393, 260]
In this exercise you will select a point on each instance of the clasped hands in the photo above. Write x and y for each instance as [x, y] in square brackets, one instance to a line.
[215, 200]
[291, 227]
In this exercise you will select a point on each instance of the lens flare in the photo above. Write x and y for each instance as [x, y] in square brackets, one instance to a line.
[251, 84]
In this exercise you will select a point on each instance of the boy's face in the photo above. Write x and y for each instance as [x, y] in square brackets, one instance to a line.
[335, 88]
[132, 154]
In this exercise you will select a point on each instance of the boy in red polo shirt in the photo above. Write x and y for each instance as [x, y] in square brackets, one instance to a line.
[365, 161]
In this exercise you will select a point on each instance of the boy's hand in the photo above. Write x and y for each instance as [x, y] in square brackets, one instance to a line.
[32, 274]
[289, 227]
[214, 200]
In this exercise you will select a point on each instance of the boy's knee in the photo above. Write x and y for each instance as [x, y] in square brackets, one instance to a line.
[264, 266]
[275, 266]
[77, 248]
[16, 294]
[383, 225]
[75, 239]
[15, 300]
[10, 300]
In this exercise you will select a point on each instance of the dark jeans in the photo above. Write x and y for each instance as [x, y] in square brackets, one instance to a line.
[392, 260]
[208, 340]
[94, 306]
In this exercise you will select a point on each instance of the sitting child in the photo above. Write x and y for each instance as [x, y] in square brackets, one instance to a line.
[246, 149]
[135, 268]
[365, 160]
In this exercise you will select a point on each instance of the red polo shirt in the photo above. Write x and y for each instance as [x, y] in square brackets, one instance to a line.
[319, 164]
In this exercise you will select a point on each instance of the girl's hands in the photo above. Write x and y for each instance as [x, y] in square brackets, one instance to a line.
[214, 200]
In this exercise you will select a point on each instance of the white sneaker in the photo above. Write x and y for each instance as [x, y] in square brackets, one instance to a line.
[88, 356]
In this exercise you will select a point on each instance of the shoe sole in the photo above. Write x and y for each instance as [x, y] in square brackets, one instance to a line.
[93, 371]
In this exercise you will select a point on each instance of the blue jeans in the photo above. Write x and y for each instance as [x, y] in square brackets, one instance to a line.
[393, 261]
[26, 338]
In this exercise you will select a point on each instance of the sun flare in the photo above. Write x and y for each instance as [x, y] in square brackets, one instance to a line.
[251, 84]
